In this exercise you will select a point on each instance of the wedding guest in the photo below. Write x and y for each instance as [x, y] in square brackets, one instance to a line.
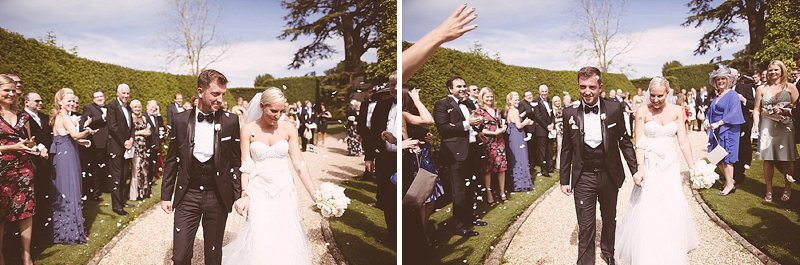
[353, 143]
[772, 116]
[322, 124]
[518, 157]
[567, 100]
[494, 144]
[692, 108]
[176, 107]
[543, 116]
[195, 101]
[155, 140]
[140, 188]
[39, 124]
[224, 105]
[68, 221]
[526, 108]
[291, 115]
[94, 117]
[746, 96]
[384, 126]
[307, 123]
[472, 94]
[17, 201]
[120, 140]
[416, 119]
[558, 113]
[458, 126]
[723, 119]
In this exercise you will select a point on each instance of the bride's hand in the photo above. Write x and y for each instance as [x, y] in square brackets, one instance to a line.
[638, 178]
[241, 205]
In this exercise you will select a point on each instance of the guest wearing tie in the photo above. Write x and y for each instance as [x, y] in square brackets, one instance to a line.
[460, 152]
[120, 140]
[42, 178]
[94, 117]
[525, 108]
[174, 108]
[543, 116]
[474, 94]
[155, 140]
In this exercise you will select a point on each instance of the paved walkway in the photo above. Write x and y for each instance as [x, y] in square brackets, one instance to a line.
[149, 239]
[549, 235]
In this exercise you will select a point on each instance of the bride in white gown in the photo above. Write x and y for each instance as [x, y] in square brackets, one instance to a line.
[272, 233]
[658, 227]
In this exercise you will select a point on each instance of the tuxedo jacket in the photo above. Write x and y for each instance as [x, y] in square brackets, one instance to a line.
[746, 90]
[700, 101]
[118, 129]
[306, 117]
[153, 141]
[94, 113]
[449, 122]
[43, 133]
[615, 139]
[542, 118]
[527, 109]
[227, 158]
[171, 111]
[371, 140]
[367, 141]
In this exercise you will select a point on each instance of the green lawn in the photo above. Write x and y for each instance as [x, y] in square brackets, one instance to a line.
[102, 225]
[774, 228]
[357, 232]
[452, 249]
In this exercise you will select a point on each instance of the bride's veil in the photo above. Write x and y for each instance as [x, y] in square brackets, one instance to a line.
[253, 111]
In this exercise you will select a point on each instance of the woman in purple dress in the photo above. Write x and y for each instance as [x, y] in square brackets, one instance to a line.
[68, 227]
[17, 203]
[724, 118]
[518, 155]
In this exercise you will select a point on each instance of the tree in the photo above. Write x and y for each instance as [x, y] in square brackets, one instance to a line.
[387, 48]
[356, 22]
[725, 15]
[782, 40]
[668, 65]
[603, 27]
[262, 80]
[192, 32]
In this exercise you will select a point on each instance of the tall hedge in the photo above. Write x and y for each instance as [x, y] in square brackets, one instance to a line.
[46, 69]
[689, 76]
[297, 88]
[641, 82]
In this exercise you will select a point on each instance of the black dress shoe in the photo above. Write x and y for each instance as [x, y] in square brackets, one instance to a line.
[120, 212]
[479, 223]
[468, 233]
[610, 261]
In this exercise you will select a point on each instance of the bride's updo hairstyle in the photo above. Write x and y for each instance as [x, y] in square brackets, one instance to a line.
[271, 96]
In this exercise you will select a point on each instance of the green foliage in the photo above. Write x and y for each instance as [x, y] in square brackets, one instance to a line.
[501, 78]
[725, 15]
[668, 65]
[297, 89]
[641, 82]
[261, 80]
[387, 38]
[783, 34]
[45, 69]
[689, 76]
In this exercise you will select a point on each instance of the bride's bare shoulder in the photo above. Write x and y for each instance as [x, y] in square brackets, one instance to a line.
[288, 127]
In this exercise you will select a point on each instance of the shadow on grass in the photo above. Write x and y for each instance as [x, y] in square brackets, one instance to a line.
[361, 232]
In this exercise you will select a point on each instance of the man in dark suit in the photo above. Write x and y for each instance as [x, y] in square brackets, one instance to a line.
[747, 97]
[543, 118]
[594, 134]
[306, 120]
[385, 159]
[201, 171]
[42, 179]
[120, 139]
[154, 140]
[94, 117]
[363, 128]
[174, 108]
[458, 126]
[526, 108]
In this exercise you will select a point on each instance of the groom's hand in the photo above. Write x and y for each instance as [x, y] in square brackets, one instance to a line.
[566, 189]
[166, 206]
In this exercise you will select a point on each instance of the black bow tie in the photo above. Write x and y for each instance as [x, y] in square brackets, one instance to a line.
[205, 117]
[587, 109]
[463, 102]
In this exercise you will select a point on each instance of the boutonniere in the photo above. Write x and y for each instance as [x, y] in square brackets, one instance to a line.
[576, 104]
[217, 127]
[602, 116]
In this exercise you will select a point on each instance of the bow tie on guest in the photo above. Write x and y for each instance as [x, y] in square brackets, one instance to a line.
[463, 102]
[205, 117]
[587, 109]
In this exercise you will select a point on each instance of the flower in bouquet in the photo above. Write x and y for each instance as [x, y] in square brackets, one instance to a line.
[330, 200]
[703, 175]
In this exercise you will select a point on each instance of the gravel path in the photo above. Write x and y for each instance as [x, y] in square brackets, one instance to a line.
[549, 235]
[149, 239]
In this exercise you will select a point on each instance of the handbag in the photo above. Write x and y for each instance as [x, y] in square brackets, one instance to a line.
[421, 187]
[307, 134]
[718, 153]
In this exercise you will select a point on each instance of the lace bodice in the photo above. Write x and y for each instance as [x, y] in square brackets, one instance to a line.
[653, 129]
[659, 144]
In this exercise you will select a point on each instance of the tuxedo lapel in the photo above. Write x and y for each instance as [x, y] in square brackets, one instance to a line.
[579, 120]
[603, 110]
[217, 122]
[190, 132]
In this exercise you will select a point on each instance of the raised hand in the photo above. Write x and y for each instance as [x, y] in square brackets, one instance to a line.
[454, 26]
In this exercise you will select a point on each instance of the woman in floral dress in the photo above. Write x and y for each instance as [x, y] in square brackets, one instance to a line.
[494, 144]
[140, 184]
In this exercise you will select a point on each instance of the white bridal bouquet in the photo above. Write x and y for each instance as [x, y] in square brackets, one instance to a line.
[703, 175]
[331, 200]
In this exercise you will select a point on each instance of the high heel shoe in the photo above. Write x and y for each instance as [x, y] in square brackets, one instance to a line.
[768, 197]
[723, 193]
[503, 197]
[489, 197]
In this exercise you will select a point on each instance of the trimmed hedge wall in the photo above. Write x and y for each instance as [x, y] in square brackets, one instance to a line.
[46, 69]
[689, 76]
[641, 82]
[297, 88]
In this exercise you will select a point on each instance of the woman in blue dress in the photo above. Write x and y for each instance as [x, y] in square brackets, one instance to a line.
[724, 118]
[68, 227]
[518, 155]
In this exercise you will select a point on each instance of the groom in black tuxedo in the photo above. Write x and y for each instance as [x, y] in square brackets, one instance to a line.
[202, 171]
[594, 134]
[460, 151]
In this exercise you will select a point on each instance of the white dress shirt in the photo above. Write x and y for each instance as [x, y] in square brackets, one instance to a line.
[391, 126]
[370, 109]
[125, 112]
[203, 139]
[467, 127]
[34, 116]
[592, 127]
[179, 108]
[547, 106]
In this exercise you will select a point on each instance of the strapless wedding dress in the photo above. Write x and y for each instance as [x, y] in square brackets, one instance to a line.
[272, 233]
[657, 227]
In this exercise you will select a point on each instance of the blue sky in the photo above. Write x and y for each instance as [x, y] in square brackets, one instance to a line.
[127, 33]
[538, 33]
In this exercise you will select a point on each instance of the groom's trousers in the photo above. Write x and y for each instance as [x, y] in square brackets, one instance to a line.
[591, 187]
[199, 206]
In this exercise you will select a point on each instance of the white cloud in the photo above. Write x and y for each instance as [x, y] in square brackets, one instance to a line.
[81, 14]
